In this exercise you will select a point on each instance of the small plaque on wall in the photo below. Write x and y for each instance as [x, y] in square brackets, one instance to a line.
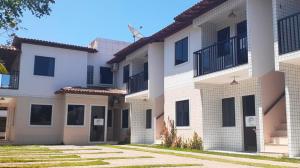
[98, 121]
[250, 121]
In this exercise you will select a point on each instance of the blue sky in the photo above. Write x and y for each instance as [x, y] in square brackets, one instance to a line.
[81, 21]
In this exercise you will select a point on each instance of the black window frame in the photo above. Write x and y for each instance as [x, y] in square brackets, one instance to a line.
[125, 124]
[149, 119]
[39, 63]
[90, 75]
[182, 51]
[106, 76]
[109, 118]
[180, 112]
[80, 122]
[126, 73]
[228, 112]
[34, 120]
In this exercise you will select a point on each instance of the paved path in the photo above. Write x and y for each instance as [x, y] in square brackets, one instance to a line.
[157, 158]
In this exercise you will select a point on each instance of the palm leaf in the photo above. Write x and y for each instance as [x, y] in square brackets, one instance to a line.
[3, 70]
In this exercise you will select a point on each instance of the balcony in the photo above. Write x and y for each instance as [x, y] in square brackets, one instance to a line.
[9, 81]
[137, 83]
[289, 34]
[221, 56]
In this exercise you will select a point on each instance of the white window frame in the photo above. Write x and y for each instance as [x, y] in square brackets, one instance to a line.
[66, 115]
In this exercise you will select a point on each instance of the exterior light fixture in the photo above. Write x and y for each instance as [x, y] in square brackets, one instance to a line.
[232, 15]
[234, 82]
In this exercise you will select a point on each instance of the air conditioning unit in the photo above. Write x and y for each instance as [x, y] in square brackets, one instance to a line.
[115, 67]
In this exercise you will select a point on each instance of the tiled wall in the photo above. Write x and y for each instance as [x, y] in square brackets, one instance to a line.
[185, 92]
[139, 133]
[228, 138]
[292, 89]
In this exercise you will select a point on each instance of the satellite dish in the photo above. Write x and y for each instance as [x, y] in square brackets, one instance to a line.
[135, 33]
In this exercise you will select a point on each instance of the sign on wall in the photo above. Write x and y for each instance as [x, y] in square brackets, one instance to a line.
[99, 121]
[250, 121]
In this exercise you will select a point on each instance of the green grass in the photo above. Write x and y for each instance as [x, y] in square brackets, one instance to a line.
[129, 157]
[61, 164]
[159, 165]
[201, 157]
[258, 157]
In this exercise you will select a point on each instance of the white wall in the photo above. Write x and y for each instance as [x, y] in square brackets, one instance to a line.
[70, 70]
[156, 69]
[106, 50]
[178, 81]
[260, 26]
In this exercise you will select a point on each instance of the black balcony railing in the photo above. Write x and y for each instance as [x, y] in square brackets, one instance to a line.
[220, 56]
[9, 81]
[137, 83]
[289, 34]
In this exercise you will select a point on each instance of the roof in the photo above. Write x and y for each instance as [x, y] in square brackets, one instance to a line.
[182, 21]
[19, 40]
[91, 91]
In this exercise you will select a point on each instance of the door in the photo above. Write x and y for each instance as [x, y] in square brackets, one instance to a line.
[249, 118]
[242, 45]
[224, 56]
[97, 129]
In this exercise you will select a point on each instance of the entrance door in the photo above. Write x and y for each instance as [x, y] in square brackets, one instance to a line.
[3, 119]
[97, 124]
[242, 45]
[224, 57]
[249, 118]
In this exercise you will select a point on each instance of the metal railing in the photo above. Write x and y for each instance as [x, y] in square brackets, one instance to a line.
[221, 55]
[9, 81]
[289, 34]
[137, 83]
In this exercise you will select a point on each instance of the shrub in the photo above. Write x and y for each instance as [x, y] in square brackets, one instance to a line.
[196, 142]
[177, 142]
[169, 134]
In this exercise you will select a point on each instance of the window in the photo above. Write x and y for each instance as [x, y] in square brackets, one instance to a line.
[75, 115]
[148, 119]
[106, 75]
[44, 66]
[228, 112]
[109, 118]
[125, 74]
[181, 51]
[125, 119]
[40, 114]
[146, 74]
[182, 113]
[90, 74]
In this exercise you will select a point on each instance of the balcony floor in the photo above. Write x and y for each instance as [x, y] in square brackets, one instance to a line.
[225, 76]
[290, 58]
[137, 96]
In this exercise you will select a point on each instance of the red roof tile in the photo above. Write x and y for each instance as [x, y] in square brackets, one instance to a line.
[19, 40]
[181, 21]
[91, 91]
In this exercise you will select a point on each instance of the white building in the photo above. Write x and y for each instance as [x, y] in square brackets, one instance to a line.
[226, 69]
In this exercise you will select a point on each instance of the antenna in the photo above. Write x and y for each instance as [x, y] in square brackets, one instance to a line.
[135, 33]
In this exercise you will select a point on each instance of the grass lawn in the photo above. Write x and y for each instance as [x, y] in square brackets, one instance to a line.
[216, 159]
[259, 157]
[33, 156]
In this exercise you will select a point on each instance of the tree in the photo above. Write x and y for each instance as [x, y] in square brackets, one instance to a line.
[12, 10]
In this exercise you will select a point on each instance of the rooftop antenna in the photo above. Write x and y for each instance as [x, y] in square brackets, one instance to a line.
[135, 33]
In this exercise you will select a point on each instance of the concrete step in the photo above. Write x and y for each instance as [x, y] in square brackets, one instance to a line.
[279, 140]
[271, 148]
[279, 133]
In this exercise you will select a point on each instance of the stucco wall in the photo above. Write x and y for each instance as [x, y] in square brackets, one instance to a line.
[24, 133]
[80, 135]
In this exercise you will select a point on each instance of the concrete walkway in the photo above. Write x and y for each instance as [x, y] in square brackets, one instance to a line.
[222, 157]
[162, 159]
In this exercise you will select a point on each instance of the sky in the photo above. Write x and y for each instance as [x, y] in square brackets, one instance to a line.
[81, 21]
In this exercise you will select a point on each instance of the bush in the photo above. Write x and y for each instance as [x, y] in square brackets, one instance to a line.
[177, 142]
[196, 142]
[168, 134]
